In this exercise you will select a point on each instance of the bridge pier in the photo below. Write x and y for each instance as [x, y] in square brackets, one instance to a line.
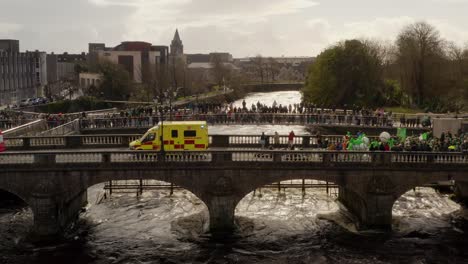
[53, 214]
[221, 210]
[461, 191]
[374, 211]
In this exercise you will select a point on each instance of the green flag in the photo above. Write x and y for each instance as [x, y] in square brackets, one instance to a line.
[424, 136]
[401, 133]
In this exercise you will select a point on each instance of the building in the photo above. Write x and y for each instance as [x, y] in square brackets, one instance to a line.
[177, 48]
[87, 80]
[66, 65]
[22, 74]
[134, 56]
[224, 57]
[9, 45]
[201, 65]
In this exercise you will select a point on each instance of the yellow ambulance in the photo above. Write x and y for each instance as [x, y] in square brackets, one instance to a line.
[177, 136]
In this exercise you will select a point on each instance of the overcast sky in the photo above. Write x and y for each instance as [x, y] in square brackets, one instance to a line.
[242, 27]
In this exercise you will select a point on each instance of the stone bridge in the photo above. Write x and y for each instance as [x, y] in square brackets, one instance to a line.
[54, 184]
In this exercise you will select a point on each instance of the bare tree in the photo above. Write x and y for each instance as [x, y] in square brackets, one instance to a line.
[259, 67]
[419, 55]
[272, 69]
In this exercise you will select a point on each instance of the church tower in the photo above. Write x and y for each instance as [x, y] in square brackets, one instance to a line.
[177, 48]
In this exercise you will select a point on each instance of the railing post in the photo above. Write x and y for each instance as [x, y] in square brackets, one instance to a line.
[326, 159]
[220, 141]
[125, 140]
[73, 141]
[277, 157]
[221, 157]
[26, 143]
[44, 159]
[430, 158]
[381, 158]
[306, 141]
[106, 157]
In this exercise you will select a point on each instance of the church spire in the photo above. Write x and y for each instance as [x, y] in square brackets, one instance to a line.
[177, 48]
[176, 36]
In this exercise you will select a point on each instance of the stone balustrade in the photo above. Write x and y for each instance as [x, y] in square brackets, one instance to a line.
[107, 141]
[325, 158]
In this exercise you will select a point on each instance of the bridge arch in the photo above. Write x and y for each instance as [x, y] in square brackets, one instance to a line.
[257, 180]
[153, 214]
[17, 194]
[183, 180]
[411, 210]
[21, 217]
[269, 202]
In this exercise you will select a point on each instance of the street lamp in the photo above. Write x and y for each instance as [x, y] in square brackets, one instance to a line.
[162, 97]
[170, 94]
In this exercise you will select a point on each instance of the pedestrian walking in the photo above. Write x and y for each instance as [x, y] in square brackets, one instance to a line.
[291, 139]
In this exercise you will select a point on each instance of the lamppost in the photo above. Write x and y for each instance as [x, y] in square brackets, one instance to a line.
[167, 95]
[160, 98]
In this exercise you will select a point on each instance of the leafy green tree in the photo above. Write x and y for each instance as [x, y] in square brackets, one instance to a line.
[116, 83]
[349, 73]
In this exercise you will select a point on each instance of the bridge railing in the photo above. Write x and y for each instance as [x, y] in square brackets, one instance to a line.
[65, 129]
[255, 118]
[319, 158]
[14, 122]
[123, 140]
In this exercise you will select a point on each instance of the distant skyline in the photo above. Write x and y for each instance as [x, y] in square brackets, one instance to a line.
[241, 27]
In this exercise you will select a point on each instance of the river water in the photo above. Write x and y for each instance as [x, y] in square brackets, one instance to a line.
[273, 227]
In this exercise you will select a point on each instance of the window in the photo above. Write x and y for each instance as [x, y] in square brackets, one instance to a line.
[149, 137]
[190, 133]
[175, 133]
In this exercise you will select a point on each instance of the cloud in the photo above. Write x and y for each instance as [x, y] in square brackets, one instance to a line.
[242, 27]
[115, 2]
[9, 28]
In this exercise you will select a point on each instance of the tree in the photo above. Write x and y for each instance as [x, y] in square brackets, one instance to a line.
[154, 78]
[178, 73]
[419, 56]
[258, 64]
[272, 69]
[346, 74]
[220, 71]
[116, 82]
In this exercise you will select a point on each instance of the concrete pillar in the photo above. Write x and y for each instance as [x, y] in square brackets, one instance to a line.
[461, 191]
[374, 211]
[221, 209]
[46, 216]
[52, 214]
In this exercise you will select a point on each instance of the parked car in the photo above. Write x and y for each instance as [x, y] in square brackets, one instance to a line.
[26, 102]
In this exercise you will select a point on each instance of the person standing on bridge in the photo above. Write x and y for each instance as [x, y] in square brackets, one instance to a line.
[263, 140]
[276, 139]
[291, 139]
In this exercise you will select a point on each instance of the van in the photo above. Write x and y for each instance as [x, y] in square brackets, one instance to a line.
[177, 136]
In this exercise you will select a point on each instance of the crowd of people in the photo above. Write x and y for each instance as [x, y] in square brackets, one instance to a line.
[447, 142]
[219, 113]
[10, 119]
